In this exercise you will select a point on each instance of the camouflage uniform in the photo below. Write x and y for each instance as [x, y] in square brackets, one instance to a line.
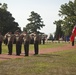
[36, 43]
[18, 44]
[26, 39]
[10, 39]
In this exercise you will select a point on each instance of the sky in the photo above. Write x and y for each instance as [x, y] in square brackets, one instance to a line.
[47, 9]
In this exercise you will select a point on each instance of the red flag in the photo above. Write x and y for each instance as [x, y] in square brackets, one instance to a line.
[74, 30]
[72, 38]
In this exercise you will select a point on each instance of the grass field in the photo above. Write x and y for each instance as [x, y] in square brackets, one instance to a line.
[58, 63]
[31, 47]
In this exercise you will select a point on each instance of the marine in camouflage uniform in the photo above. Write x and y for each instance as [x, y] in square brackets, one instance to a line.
[36, 43]
[26, 39]
[18, 44]
[10, 39]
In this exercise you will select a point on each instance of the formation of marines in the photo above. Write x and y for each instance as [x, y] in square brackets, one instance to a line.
[19, 39]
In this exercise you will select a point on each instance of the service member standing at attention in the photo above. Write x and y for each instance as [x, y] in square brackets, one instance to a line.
[10, 39]
[1, 39]
[17, 36]
[26, 39]
[36, 43]
[21, 41]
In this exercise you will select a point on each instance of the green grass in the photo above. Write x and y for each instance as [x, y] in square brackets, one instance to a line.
[31, 47]
[58, 63]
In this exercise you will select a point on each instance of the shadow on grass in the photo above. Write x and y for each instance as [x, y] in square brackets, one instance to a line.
[48, 55]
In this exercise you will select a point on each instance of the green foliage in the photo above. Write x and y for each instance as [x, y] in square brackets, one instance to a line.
[7, 22]
[4, 6]
[50, 37]
[68, 14]
[35, 22]
[59, 31]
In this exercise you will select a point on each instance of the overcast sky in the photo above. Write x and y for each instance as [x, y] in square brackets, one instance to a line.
[48, 10]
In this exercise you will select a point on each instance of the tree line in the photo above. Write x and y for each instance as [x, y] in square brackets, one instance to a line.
[67, 13]
[64, 25]
[7, 21]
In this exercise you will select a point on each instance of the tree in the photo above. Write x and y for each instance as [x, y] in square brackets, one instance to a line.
[0, 4]
[35, 24]
[59, 32]
[67, 13]
[7, 22]
[4, 6]
[50, 37]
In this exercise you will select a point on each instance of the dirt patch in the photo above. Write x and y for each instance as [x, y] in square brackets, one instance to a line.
[43, 51]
